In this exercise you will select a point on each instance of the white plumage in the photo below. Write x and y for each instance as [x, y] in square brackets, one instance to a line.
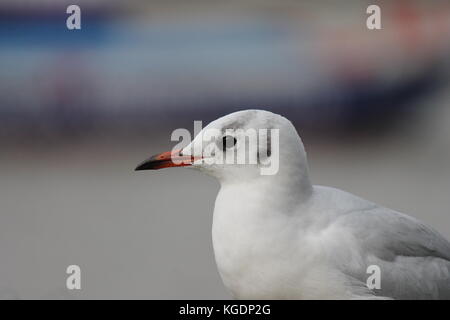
[280, 237]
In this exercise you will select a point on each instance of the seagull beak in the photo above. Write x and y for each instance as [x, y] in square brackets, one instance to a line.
[166, 160]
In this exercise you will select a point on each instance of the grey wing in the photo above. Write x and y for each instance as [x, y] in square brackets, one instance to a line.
[414, 259]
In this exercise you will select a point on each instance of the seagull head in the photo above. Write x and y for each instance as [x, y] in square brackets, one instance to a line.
[241, 146]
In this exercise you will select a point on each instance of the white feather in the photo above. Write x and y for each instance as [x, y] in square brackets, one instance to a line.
[280, 237]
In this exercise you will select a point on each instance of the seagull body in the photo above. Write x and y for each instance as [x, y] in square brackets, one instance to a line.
[279, 237]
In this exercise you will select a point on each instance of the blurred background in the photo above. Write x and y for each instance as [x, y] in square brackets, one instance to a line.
[79, 109]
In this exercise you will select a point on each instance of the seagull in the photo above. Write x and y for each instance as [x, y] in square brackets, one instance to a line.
[278, 236]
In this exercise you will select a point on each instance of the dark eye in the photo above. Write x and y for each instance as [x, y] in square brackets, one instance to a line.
[228, 142]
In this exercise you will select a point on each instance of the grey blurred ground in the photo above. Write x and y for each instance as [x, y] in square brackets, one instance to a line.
[147, 234]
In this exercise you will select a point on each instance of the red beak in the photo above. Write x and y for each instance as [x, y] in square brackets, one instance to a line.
[166, 160]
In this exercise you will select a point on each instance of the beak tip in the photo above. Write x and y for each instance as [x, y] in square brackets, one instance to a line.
[143, 166]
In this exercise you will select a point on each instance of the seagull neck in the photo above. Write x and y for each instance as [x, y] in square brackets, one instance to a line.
[282, 190]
